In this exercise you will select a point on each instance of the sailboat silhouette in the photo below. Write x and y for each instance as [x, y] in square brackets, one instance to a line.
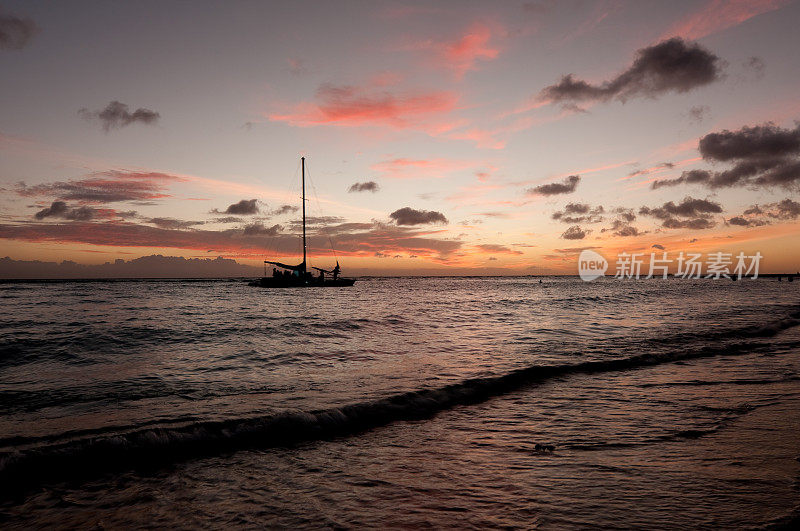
[298, 276]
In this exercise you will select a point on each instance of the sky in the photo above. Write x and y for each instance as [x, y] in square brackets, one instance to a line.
[440, 137]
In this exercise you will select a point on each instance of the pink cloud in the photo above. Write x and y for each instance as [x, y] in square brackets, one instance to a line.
[719, 15]
[462, 54]
[371, 105]
[405, 168]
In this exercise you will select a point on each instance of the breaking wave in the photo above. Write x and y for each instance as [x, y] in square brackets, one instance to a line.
[152, 446]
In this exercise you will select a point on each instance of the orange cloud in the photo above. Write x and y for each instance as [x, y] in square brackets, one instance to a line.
[719, 15]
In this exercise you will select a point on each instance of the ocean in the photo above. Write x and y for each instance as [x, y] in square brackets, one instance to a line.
[401, 402]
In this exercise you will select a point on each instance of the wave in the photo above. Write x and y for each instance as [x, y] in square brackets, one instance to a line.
[155, 445]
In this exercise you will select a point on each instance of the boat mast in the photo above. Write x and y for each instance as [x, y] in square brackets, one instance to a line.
[303, 161]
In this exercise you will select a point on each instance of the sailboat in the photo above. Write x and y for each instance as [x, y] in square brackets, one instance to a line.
[298, 276]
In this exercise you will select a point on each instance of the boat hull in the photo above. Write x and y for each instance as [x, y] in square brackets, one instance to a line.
[293, 282]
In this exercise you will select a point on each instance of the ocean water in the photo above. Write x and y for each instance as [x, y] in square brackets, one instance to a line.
[401, 402]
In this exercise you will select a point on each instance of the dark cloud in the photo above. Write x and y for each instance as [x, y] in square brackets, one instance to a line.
[172, 223]
[745, 222]
[621, 225]
[105, 187]
[662, 166]
[689, 207]
[369, 186]
[756, 65]
[59, 209]
[687, 177]
[698, 113]
[766, 141]
[410, 216]
[657, 246]
[787, 209]
[574, 233]
[690, 213]
[15, 32]
[626, 214]
[496, 248]
[761, 156]
[625, 230]
[696, 223]
[229, 219]
[760, 215]
[259, 228]
[669, 66]
[317, 222]
[567, 186]
[243, 207]
[116, 115]
[579, 213]
[285, 209]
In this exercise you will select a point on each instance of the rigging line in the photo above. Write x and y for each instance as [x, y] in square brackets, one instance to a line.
[319, 209]
[272, 246]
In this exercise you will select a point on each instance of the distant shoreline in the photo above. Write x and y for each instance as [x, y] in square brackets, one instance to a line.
[364, 277]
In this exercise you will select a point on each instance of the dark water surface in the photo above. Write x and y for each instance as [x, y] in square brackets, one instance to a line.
[400, 402]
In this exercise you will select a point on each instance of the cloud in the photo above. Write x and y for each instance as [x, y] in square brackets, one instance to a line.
[15, 32]
[297, 67]
[172, 223]
[243, 207]
[787, 209]
[657, 246]
[689, 207]
[565, 187]
[621, 229]
[116, 115]
[669, 66]
[259, 228]
[696, 223]
[410, 216]
[755, 65]
[653, 169]
[496, 248]
[760, 215]
[762, 156]
[462, 54]
[353, 106]
[59, 209]
[690, 213]
[719, 15]
[688, 177]
[579, 213]
[105, 187]
[698, 113]
[760, 142]
[574, 233]
[405, 168]
[285, 209]
[369, 186]
[357, 239]
[744, 222]
[154, 266]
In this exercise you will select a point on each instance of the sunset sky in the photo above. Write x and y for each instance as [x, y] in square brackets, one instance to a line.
[440, 137]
